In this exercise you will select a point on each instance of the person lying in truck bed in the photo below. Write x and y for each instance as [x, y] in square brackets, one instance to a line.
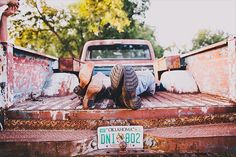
[123, 86]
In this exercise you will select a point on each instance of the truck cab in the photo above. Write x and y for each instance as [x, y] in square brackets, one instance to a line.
[107, 53]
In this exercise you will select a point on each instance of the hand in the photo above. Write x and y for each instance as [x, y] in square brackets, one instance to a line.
[10, 11]
[13, 3]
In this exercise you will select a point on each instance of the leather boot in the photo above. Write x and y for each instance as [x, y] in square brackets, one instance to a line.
[94, 87]
[128, 93]
[116, 77]
[85, 76]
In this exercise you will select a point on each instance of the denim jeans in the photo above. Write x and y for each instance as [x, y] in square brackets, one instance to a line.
[146, 82]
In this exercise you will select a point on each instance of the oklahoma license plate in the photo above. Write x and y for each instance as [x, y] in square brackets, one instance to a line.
[111, 136]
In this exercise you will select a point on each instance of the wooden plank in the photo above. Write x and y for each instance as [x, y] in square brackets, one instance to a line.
[73, 104]
[52, 104]
[146, 103]
[200, 98]
[184, 98]
[209, 101]
[155, 102]
[178, 102]
[166, 100]
[62, 104]
[216, 99]
[35, 105]
[28, 105]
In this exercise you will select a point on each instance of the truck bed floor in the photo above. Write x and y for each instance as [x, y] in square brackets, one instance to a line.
[159, 100]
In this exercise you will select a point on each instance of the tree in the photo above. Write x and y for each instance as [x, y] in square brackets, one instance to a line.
[102, 13]
[42, 27]
[63, 32]
[206, 37]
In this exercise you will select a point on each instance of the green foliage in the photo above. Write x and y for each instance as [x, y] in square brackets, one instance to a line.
[63, 33]
[206, 37]
[43, 28]
[101, 13]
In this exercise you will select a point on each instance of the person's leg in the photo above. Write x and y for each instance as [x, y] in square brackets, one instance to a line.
[130, 83]
[116, 78]
[104, 98]
[146, 82]
[85, 76]
[124, 82]
[94, 87]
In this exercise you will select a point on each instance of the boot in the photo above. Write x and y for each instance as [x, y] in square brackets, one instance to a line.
[128, 93]
[85, 76]
[116, 77]
[124, 82]
[94, 87]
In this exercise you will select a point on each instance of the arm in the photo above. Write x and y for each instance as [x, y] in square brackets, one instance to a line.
[3, 23]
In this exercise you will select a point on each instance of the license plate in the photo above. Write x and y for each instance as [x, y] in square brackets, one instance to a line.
[111, 136]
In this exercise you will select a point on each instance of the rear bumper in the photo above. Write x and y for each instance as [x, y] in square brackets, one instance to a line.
[217, 138]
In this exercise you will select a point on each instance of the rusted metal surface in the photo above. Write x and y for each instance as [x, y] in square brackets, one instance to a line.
[214, 70]
[45, 135]
[35, 53]
[6, 75]
[206, 48]
[192, 139]
[29, 73]
[159, 100]
[168, 63]
[23, 74]
[232, 68]
[3, 76]
[46, 143]
[161, 105]
[189, 139]
[60, 84]
[117, 113]
[94, 124]
[69, 65]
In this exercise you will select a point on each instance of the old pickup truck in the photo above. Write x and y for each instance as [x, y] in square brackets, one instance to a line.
[40, 115]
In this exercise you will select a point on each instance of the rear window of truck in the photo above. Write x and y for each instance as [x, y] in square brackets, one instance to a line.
[118, 51]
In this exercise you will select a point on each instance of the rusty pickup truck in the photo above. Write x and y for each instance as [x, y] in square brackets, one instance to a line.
[35, 124]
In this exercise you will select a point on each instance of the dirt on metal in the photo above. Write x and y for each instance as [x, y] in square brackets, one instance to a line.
[195, 139]
[93, 124]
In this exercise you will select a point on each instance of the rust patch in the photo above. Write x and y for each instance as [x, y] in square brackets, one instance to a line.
[189, 139]
[30, 74]
[64, 90]
[94, 124]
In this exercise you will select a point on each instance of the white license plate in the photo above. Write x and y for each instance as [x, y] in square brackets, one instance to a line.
[111, 136]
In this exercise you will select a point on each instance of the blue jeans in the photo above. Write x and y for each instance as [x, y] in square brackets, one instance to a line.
[146, 82]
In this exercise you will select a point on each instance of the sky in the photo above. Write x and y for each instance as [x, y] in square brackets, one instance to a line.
[178, 21]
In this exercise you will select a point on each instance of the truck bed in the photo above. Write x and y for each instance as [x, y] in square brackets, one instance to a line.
[159, 100]
[161, 109]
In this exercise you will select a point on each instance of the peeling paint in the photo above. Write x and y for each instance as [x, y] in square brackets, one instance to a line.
[30, 74]
[60, 84]
[214, 69]
[204, 109]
